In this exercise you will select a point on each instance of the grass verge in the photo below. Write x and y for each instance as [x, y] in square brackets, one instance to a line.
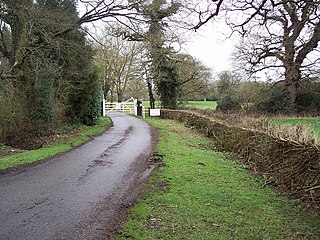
[56, 146]
[197, 193]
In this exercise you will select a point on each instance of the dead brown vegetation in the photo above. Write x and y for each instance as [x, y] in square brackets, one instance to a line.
[300, 133]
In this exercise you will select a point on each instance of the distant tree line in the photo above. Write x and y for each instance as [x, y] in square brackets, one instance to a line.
[277, 36]
[235, 93]
[51, 75]
[167, 75]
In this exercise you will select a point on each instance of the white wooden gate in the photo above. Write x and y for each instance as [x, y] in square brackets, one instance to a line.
[129, 106]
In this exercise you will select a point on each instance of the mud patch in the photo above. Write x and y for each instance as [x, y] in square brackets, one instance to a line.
[128, 130]
[108, 151]
[102, 160]
[156, 158]
[99, 162]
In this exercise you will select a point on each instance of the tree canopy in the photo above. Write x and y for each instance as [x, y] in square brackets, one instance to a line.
[46, 68]
[48, 77]
[276, 34]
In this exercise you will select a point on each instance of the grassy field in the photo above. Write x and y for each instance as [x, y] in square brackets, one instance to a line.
[310, 122]
[202, 104]
[147, 104]
[56, 146]
[193, 104]
[198, 193]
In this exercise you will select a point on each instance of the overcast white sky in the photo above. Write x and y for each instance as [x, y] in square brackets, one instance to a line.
[211, 45]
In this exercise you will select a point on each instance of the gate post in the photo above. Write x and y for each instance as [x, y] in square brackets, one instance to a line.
[135, 107]
[103, 106]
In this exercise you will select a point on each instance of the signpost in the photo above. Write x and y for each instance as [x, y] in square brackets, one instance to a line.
[154, 112]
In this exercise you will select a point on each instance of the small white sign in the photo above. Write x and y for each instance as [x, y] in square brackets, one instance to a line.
[154, 112]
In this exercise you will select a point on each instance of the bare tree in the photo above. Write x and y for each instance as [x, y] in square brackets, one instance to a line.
[23, 18]
[194, 78]
[119, 63]
[125, 11]
[227, 82]
[278, 34]
[281, 36]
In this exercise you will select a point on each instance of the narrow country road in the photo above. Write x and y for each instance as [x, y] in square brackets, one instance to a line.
[81, 194]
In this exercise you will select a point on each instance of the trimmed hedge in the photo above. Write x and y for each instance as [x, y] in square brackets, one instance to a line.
[291, 166]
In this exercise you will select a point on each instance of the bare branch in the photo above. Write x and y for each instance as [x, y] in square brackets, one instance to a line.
[212, 15]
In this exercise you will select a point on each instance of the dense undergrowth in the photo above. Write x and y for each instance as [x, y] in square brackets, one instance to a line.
[65, 139]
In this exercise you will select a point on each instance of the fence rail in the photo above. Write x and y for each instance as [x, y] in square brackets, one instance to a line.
[125, 107]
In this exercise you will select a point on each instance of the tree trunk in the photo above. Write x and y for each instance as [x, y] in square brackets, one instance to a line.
[151, 97]
[293, 77]
[120, 96]
[111, 96]
[20, 31]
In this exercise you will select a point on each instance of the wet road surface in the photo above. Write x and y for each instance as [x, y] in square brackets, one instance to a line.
[80, 194]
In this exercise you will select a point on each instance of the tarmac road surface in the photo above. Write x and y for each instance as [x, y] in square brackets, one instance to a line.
[81, 194]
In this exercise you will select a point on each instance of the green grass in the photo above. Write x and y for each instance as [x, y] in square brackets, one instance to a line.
[147, 104]
[2, 148]
[192, 104]
[296, 121]
[201, 104]
[197, 193]
[27, 157]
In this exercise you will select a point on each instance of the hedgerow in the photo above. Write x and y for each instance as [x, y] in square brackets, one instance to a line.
[293, 167]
